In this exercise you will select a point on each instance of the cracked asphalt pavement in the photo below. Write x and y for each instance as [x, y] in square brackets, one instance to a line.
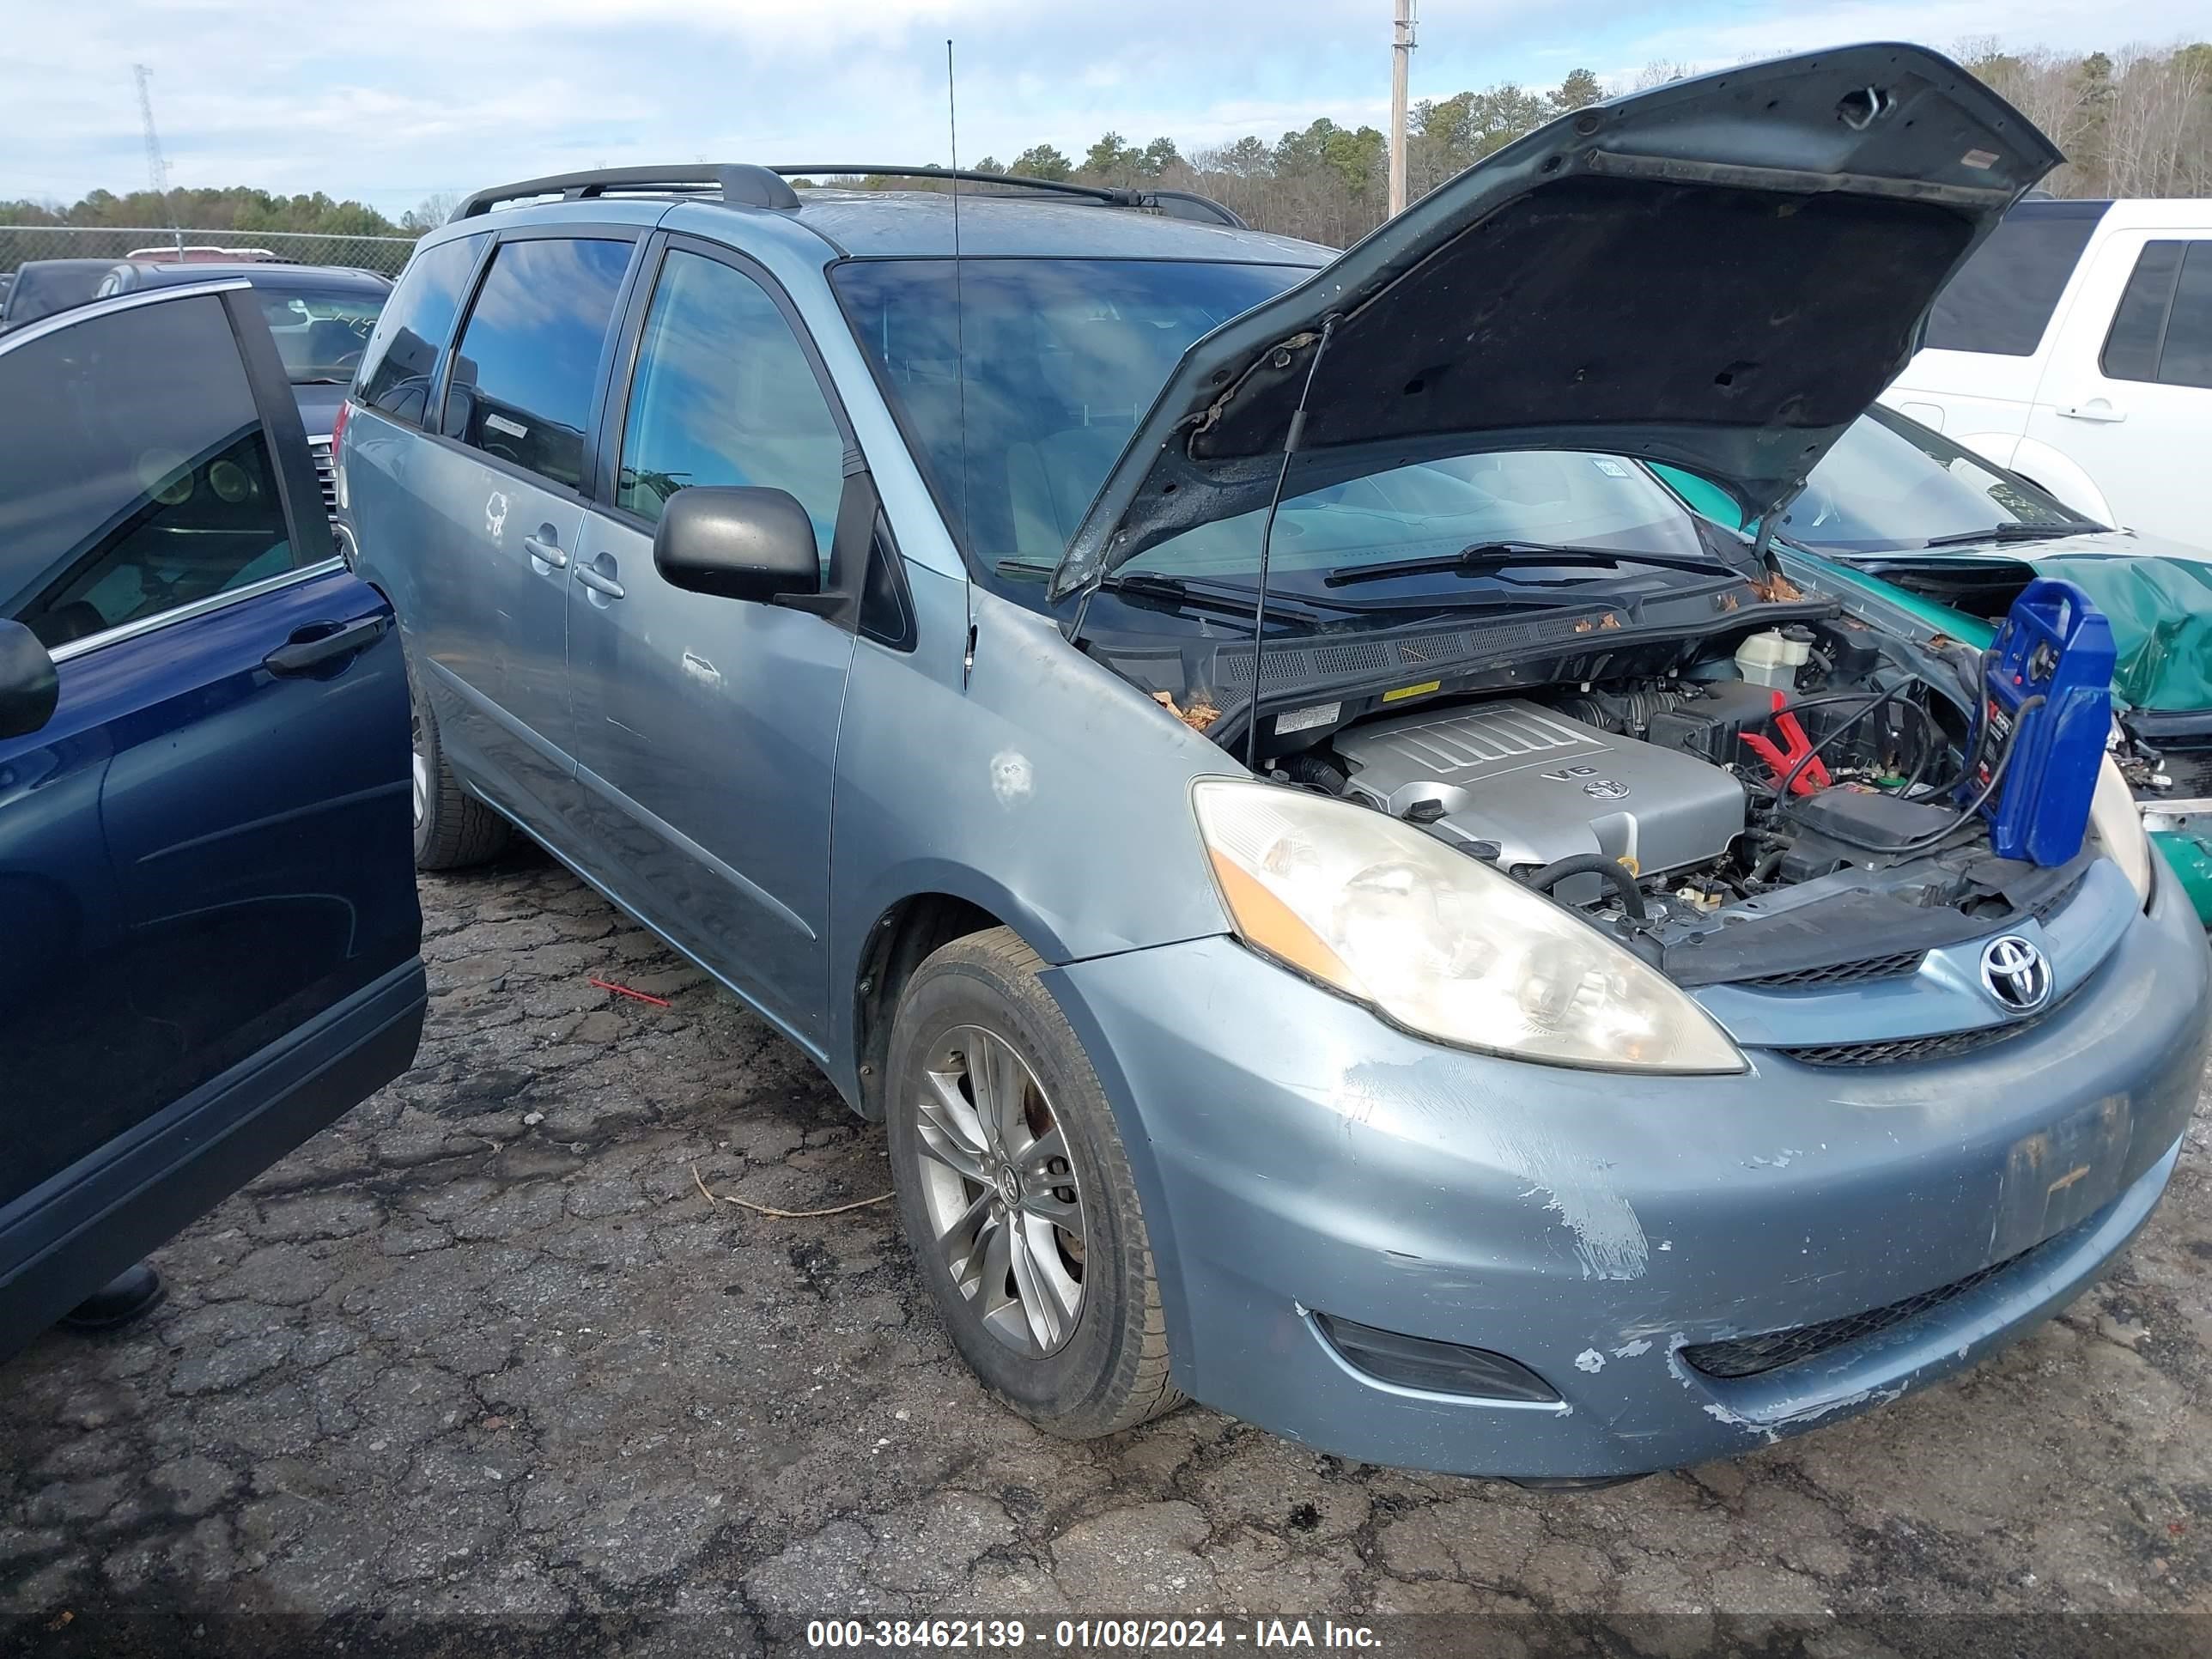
[482, 1357]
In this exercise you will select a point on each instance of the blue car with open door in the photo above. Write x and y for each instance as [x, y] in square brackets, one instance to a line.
[210, 941]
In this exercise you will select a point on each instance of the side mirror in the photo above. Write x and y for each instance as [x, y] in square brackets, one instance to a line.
[738, 542]
[29, 688]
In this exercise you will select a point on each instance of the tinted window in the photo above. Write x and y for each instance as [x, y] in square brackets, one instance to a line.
[2132, 348]
[46, 286]
[135, 476]
[2003, 296]
[2187, 358]
[403, 353]
[322, 334]
[724, 395]
[529, 357]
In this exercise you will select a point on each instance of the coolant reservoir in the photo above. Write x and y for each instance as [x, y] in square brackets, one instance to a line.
[1772, 658]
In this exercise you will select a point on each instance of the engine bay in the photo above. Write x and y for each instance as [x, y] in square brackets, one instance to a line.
[1783, 804]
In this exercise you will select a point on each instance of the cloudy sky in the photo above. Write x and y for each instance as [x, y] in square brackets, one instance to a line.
[391, 101]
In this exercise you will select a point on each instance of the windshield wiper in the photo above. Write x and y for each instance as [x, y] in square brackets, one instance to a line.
[1232, 597]
[2013, 533]
[322, 379]
[1502, 555]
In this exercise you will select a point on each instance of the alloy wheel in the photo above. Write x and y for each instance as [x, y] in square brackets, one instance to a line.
[1000, 1191]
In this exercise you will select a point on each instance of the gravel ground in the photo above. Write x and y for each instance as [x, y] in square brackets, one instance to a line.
[483, 1359]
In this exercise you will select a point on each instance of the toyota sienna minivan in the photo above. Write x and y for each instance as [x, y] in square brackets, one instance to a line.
[1227, 751]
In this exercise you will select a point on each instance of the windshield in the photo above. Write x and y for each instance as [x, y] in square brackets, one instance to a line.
[319, 333]
[1062, 357]
[1435, 509]
[1891, 483]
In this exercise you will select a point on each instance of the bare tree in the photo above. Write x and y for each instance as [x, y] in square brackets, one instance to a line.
[2135, 123]
[1658, 72]
[2158, 134]
[431, 211]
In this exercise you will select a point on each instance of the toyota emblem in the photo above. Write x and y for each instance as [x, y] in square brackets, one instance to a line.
[2015, 974]
[1605, 789]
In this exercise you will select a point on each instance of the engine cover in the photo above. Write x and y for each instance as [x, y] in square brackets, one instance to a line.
[1544, 787]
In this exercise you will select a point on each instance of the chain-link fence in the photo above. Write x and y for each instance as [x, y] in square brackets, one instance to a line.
[20, 244]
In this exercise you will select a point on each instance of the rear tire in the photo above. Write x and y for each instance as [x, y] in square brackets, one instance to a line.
[1016, 1194]
[453, 829]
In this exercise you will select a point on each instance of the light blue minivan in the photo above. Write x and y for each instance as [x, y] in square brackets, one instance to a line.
[1230, 753]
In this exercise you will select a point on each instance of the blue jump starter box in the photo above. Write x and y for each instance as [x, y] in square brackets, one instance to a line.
[2048, 699]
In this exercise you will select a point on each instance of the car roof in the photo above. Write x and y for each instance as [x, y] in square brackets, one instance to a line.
[156, 272]
[882, 224]
[890, 224]
[2140, 213]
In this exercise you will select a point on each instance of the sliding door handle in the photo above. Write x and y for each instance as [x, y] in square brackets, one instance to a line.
[599, 582]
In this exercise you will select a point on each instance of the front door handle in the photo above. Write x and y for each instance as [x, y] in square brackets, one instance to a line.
[598, 580]
[310, 647]
[2097, 408]
[544, 552]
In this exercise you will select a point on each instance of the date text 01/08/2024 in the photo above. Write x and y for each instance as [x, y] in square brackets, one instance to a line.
[1001, 1635]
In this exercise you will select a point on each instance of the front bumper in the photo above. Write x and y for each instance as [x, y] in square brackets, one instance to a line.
[1295, 1155]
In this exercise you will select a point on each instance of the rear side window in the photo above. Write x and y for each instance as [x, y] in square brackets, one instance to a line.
[529, 357]
[2002, 299]
[2187, 357]
[396, 370]
[135, 475]
[2131, 347]
[2162, 330]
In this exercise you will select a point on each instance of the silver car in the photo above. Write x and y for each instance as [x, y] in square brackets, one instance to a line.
[1228, 751]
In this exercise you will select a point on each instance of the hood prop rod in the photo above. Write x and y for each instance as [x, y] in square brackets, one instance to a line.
[1290, 439]
[1762, 546]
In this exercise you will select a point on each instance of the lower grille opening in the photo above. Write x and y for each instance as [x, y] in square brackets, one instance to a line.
[1901, 1049]
[1770, 1350]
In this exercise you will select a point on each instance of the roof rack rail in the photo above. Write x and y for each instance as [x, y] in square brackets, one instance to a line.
[736, 183]
[1176, 203]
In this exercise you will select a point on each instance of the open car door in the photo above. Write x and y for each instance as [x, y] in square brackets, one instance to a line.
[209, 942]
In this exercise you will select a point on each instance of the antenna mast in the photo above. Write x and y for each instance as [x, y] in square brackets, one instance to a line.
[157, 165]
[959, 341]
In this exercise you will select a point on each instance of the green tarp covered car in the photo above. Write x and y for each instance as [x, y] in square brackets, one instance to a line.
[1901, 508]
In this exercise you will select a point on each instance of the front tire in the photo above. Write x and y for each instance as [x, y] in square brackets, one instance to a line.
[453, 829]
[1016, 1197]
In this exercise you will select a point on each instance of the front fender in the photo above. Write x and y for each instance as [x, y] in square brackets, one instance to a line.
[1038, 786]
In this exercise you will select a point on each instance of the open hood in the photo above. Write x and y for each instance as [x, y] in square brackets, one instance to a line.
[1720, 273]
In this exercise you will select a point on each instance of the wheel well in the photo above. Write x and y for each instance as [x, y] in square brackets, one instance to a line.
[902, 938]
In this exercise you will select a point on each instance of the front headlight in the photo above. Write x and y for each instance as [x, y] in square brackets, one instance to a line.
[2118, 823]
[1439, 943]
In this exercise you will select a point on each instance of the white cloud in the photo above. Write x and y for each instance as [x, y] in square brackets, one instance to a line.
[392, 101]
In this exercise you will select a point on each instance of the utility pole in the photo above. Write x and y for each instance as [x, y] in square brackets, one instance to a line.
[1401, 54]
[157, 165]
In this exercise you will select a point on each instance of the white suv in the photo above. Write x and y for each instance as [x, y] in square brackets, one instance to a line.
[2075, 347]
